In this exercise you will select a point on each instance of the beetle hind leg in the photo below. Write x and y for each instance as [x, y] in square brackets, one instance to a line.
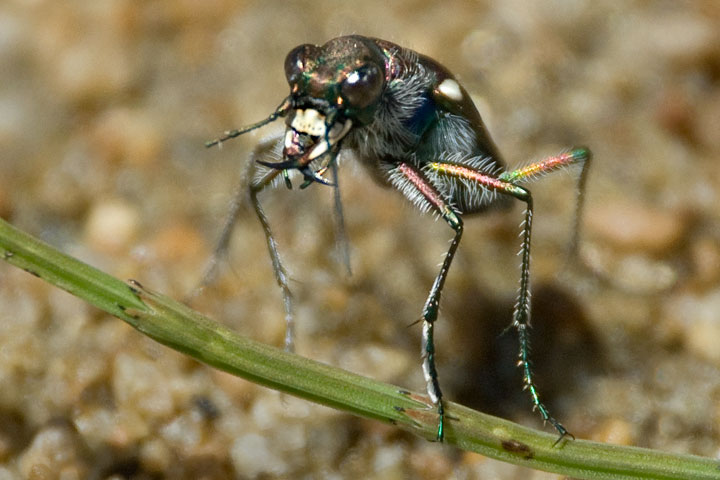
[505, 184]
[576, 156]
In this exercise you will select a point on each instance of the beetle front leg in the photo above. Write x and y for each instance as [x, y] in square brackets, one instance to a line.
[248, 193]
[281, 275]
[238, 202]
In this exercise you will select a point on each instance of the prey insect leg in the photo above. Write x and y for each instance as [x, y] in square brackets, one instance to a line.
[413, 183]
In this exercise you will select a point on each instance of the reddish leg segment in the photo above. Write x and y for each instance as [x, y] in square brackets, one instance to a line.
[415, 183]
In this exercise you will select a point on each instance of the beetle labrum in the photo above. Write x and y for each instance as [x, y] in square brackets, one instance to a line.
[414, 127]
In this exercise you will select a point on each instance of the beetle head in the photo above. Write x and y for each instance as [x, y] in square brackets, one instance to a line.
[333, 88]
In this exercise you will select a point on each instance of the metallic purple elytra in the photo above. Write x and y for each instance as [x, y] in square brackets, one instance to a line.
[414, 127]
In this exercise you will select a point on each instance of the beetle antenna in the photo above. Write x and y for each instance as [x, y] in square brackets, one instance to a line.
[280, 111]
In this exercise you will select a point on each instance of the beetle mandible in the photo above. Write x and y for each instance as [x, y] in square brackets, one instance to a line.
[414, 127]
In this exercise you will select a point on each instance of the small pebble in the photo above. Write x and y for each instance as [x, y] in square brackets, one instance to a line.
[615, 431]
[698, 315]
[142, 385]
[52, 449]
[679, 35]
[429, 463]
[705, 256]
[178, 241]
[631, 226]
[676, 114]
[111, 226]
[636, 273]
[708, 121]
[155, 455]
[253, 455]
[118, 428]
[129, 136]
[388, 461]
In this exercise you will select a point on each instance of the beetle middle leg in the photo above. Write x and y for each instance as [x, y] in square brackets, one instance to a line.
[418, 188]
[506, 184]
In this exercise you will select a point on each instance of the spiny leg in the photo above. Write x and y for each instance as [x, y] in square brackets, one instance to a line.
[251, 187]
[281, 275]
[583, 157]
[521, 315]
[239, 201]
[430, 312]
[413, 183]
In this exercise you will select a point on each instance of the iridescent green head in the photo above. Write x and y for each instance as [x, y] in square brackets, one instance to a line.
[346, 75]
[333, 88]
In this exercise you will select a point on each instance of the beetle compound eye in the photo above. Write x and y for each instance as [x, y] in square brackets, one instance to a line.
[362, 87]
[296, 62]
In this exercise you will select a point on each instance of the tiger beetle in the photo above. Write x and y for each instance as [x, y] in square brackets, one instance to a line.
[415, 128]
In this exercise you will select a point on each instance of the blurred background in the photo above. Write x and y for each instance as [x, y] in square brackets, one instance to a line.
[104, 109]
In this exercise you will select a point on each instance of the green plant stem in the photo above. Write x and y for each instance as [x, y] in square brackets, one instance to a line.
[187, 331]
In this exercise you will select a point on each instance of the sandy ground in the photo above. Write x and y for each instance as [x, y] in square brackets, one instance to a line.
[104, 108]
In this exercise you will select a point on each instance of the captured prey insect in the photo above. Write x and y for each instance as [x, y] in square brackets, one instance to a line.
[414, 127]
